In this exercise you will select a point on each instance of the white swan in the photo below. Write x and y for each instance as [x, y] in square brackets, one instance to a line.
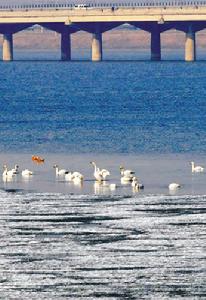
[26, 173]
[60, 172]
[74, 176]
[105, 173]
[196, 169]
[136, 185]
[174, 186]
[127, 175]
[99, 175]
[7, 173]
[77, 177]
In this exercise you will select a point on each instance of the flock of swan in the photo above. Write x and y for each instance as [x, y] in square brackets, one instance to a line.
[100, 176]
[10, 173]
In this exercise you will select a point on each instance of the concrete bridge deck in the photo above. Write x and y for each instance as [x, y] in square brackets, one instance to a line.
[66, 21]
[136, 14]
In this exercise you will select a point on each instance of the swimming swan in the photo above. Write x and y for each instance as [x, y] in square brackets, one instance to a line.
[26, 173]
[74, 176]
[105, 173]
[7, 173]
[197, 169]
[77, 177]
[78, 180]
[127, 175]
[60, 172]
[136, 185]
[99, 175]
[174, 186]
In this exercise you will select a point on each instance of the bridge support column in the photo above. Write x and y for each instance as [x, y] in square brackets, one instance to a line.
[7, 47]
[190, 45]
[97, 46]
[65, 45]
[155, 44]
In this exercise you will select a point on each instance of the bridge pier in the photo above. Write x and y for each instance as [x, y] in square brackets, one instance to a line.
[97, 46]
[7, 47]
[190, 45]
[155, 44]
[65, 45]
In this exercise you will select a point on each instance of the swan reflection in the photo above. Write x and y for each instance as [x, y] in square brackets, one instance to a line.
[102, 188]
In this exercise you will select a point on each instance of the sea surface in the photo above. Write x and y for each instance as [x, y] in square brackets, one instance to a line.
[59, 240]
[109, 107]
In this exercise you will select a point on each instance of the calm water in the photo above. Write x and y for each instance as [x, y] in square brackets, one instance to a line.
[60, 241]
[109, 107]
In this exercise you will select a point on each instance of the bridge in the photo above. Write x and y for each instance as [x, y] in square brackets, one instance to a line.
[98, 17]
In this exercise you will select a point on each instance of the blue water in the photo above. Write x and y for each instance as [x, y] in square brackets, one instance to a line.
[108, 107]
[65, 241]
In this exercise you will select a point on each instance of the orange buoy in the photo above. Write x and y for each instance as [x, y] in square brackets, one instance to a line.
[37, 159]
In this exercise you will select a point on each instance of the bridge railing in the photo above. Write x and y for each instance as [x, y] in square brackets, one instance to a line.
[58, 6]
